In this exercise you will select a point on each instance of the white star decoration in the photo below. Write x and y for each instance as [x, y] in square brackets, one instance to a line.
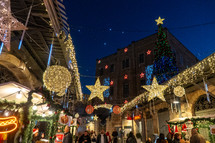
[159, 20]
[8, 23]
[95, 118]
[97, 90]
[155, 90]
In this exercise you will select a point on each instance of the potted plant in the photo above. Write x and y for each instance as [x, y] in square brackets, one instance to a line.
[139, 137]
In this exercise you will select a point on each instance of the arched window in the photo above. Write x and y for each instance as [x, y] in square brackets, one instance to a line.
[203, 104]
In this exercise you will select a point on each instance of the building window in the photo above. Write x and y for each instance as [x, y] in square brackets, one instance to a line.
[141, 58]
[112, 68]
[125, 90]
[125, 63]
[101, 71]
[106, 82]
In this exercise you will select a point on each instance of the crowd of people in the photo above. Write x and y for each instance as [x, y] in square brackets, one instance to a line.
[91, 137]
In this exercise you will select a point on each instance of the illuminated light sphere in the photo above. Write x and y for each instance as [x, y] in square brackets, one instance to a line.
[57, 78]
[6, 113]
[34, 107]
[76, 115]
[89, 109]
[179, 91]
[116, 109]
[50, 112]
[125, 76]
[126, 50]
[19, 95]
[43, 115]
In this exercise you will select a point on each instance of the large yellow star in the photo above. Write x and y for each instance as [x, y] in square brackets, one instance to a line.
[97, 90]
[155, 90]
[159, 20]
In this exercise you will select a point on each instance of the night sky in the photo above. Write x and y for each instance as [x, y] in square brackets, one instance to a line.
[100, 27]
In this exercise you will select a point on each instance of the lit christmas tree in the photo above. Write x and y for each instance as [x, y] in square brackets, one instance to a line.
[164, 60]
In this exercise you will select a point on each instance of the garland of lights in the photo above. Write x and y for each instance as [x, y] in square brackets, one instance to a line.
[70, 48]
[107, 106]
[57, 78]
[187, 76]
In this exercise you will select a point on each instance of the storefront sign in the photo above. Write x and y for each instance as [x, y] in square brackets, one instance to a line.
[9, 123]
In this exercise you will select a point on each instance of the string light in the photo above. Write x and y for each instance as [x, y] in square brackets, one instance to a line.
[34, 107]
[106, 106]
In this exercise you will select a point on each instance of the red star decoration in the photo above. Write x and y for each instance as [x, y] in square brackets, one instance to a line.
[99, 61]
[142, 75]
[126, 50]
[111, 82]
[125, 76]
[106, 67]
[126, 101]
[148, 52]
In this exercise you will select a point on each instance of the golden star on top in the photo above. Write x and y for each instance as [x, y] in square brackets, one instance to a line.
[155, 90]
[97, 90]
[159, 20]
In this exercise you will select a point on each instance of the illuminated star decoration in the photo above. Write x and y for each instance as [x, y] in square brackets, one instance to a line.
[159, 20]
[97, 90]
[148, 52]
[155, 90]
[8, 23]
[95, 117]
[142, 75]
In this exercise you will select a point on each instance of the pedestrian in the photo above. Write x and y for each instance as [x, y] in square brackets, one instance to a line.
[108, 137]
[102, 138]
[67, 135]
[85, 138]
[115, 135]
[93, 137]
[196, 137]
[131, 138]
[169, 137]
[149, 140]
[161, 139]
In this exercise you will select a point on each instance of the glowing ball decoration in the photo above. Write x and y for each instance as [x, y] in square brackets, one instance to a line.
[89, 109]
[179, 91]
[116, 109]
[57, 78]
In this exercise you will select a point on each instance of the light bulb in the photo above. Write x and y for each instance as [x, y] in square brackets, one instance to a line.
[19, 95]
[43, 115]
[175, 102]
[50, 112]
[6, 113]
[34, 107]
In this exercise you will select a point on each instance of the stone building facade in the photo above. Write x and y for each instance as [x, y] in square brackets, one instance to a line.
[130, 67]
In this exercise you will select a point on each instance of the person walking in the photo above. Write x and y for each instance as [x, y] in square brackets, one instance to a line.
[93, 137]
[131, 138]
[169, 137]
[67, 135]
[102, 138]
[196, 137]
[85, 138]
[108, 137]
[161, 139]
[115, 135]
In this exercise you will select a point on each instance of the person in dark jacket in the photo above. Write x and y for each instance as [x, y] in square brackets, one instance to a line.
[196, 137]
[102, 138]
[67, 135]
[162, 139]
[115, 135]
[85, 138]
[131, 138]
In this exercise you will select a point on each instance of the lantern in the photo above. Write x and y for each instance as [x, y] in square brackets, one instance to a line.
[89, 109]
[116, 109]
